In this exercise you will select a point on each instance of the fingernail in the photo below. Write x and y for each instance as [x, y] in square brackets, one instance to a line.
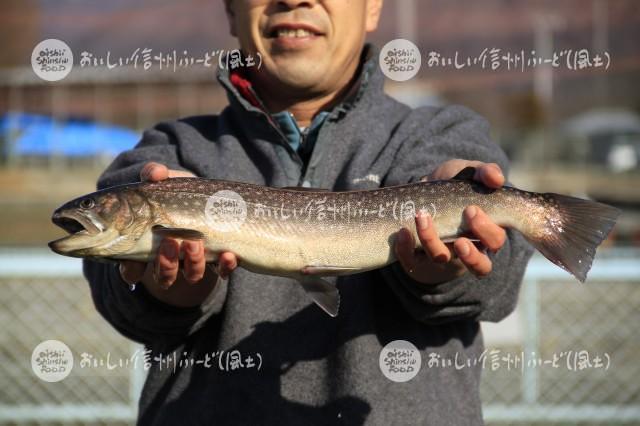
[463, 249]
[422, 219]
[471, 212]
[169, 251]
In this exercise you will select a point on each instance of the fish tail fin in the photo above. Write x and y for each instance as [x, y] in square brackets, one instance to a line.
[571, 235]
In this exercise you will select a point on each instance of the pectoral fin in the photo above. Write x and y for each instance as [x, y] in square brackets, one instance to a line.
[324, 294]
[182, 233]
[328, 270]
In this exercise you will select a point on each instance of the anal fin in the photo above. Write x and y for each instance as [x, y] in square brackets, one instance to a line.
[324, 294]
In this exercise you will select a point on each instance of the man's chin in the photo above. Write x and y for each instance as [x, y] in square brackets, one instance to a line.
[294, 75]
[300, 80]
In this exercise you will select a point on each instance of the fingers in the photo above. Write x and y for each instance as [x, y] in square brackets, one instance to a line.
[482, 227]
[132, 272]
[405, 248]
[227, 262]
[490, 235]
[428, 236]
[490, 174]
[154, 172]
[167, 263]
[473, 259]
[194, 261]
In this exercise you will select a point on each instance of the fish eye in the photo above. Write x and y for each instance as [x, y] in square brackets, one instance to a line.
[87, 203]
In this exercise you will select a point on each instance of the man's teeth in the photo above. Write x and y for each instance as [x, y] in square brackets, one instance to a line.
[299, 32]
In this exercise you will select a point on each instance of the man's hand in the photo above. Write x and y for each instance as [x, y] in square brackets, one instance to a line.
[163, 277]
[437, 264]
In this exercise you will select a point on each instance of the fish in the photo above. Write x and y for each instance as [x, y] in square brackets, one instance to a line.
[307, 234]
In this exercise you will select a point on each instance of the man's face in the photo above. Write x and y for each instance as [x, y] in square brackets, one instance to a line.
[306, 46]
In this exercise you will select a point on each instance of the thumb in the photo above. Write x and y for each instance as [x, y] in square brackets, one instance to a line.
[180, 173]
[153, 172]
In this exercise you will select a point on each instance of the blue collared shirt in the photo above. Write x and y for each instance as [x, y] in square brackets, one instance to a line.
[302, 140]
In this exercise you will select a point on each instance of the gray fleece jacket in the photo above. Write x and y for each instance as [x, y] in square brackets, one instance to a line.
[258, 351]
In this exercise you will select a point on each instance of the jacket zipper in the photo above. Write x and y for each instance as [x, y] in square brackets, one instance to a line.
[283, 139]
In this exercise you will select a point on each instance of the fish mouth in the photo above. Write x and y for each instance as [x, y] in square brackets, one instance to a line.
[77, 224]
[86, 233]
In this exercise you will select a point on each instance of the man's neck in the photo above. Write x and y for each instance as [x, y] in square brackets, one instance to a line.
[303, 108]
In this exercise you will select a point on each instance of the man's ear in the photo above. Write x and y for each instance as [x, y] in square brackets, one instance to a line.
[374, 7]
[228, 8]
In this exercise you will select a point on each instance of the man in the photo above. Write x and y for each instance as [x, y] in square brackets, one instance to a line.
[314, 114]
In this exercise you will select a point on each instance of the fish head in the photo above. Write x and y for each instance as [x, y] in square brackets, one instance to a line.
[104, 224]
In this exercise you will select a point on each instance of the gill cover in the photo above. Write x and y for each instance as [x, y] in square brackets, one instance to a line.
[103, 224]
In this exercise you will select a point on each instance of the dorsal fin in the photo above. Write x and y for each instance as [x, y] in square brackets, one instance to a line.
[467, 173]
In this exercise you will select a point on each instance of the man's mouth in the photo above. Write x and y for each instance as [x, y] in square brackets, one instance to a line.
[299, 33]
[293, 31]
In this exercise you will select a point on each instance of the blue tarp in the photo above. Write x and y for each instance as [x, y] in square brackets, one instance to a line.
[39, 135]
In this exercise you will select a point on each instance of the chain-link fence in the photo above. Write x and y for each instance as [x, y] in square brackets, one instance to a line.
[577, 358]
[569, 355]
[44, 298]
